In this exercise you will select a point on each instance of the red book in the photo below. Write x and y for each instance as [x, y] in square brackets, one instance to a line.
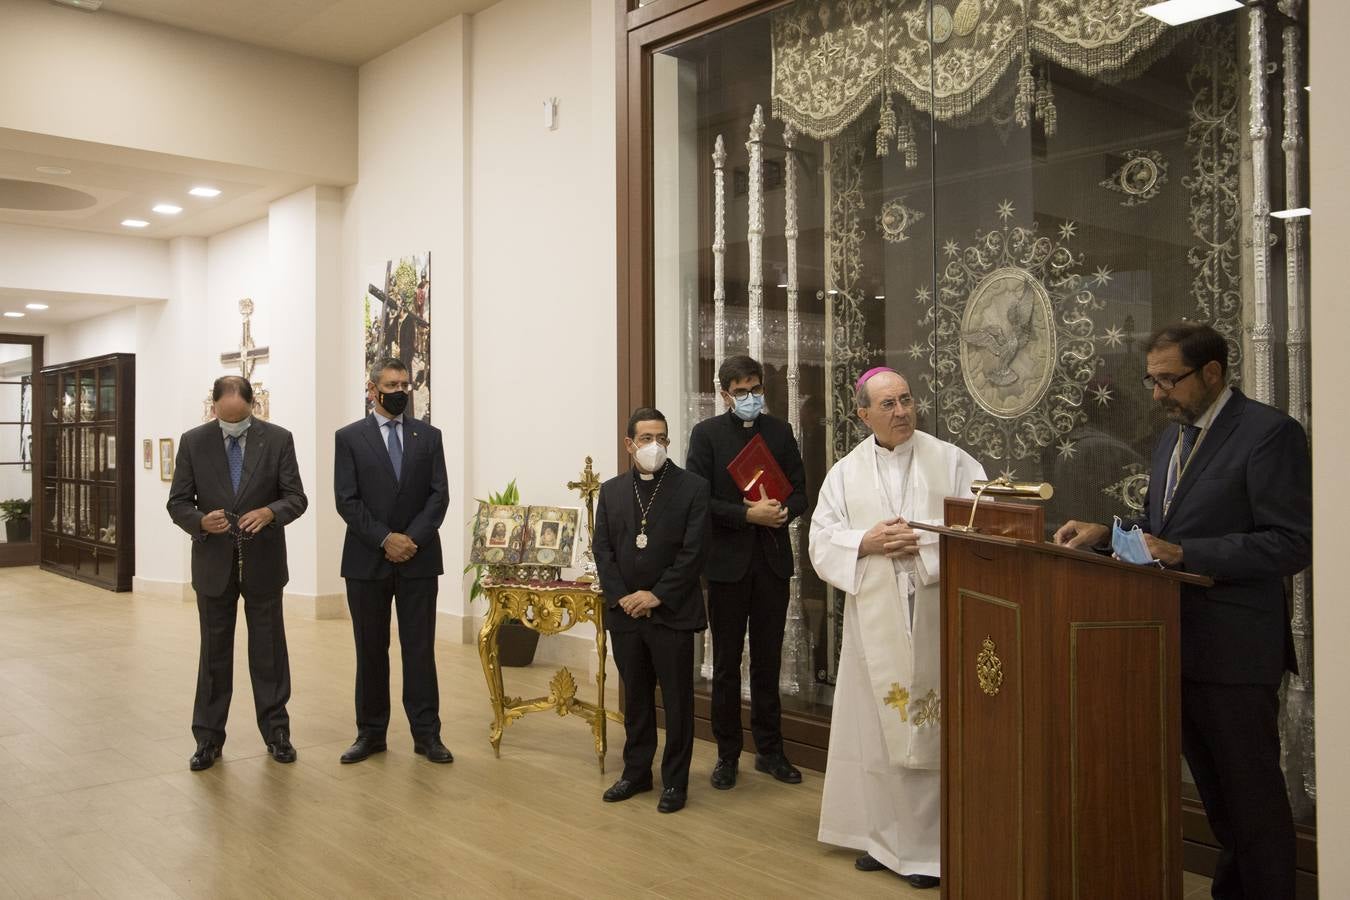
[757, 473]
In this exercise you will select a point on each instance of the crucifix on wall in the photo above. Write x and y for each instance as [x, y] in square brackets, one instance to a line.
[246, 358]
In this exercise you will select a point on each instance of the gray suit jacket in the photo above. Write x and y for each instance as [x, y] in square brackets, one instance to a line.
[201, 483]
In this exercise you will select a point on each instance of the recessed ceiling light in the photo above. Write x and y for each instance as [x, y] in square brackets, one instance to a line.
[879, 297]
[167, 209]
[13, 315]
[53, 170]
[1292, 213]
[36, 305]
[135, 223]
[783, 285]
[1179, 12]
[205, 192]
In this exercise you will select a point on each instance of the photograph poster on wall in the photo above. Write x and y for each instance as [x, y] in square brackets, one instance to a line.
[148, 453]
[166, 459]
[396, 313]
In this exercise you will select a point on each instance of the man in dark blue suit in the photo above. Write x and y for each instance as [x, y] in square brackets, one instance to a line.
[1229, 497]
[390, 484]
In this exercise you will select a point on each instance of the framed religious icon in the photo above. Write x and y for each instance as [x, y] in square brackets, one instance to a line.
[551, 535]
[498, 534]
[148, 453]
[166, 459]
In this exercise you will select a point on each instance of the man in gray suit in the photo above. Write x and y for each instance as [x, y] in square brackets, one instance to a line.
[236, 484]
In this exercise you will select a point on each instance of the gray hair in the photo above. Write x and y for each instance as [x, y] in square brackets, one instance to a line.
[389, 362]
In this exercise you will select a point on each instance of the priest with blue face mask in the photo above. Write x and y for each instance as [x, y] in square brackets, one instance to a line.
[750, 562]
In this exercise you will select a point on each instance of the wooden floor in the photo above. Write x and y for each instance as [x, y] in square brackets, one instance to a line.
[96, 798]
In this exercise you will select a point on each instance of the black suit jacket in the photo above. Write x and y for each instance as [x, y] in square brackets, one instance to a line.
[677, 543]
[712, 445]
[1242, 514]
[201, 484]
[374, 503]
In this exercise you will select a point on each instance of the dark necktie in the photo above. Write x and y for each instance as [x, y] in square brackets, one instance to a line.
[395, 449]
[1189, 435]
[235, 453]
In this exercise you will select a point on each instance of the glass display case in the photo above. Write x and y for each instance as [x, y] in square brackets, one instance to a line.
[20, 358]
[88, 509]
[999, 200]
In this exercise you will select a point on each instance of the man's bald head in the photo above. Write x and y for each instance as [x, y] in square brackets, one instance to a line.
[886, 406]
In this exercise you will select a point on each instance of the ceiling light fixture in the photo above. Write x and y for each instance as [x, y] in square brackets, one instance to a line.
[205, 192]
[167, 209]
[135, 223]
[1291, 213]
[86, 5]
[1179, 12]
[36, 305]
[53, 170]
[13, 315]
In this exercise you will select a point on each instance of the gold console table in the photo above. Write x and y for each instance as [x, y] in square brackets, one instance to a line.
[549, 608]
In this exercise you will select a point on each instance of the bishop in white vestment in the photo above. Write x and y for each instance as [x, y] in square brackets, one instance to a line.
[882, 790]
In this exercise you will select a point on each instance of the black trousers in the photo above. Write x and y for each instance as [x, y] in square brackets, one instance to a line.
[269, 665]
[652, 655]
[1230, 735]
[759, 601]
[415, 600]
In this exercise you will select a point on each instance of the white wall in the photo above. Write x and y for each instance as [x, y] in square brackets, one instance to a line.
[102, 78]
[81, 262]
[1330, 134]
[543, 260]
[410, 199]
[114, 332]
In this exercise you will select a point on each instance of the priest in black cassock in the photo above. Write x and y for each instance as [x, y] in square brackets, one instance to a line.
[749, 568]
[651, 529]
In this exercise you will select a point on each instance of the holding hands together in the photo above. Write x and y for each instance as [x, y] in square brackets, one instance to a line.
[892, 538]
[639, 604]
[399, 548]
[766, 511]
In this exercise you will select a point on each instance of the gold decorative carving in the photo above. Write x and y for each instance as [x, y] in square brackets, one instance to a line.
[548, 609]
[989, 668]
[899, 699]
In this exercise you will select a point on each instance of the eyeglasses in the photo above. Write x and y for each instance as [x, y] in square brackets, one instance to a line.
[643, 440]
[889, 404]
[1166, 382]
[741, 394]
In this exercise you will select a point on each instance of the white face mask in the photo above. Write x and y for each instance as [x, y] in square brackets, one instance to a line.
[235, 429]
[650, 457]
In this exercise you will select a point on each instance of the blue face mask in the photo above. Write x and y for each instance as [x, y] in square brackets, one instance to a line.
[1129, 545]
[748, 407]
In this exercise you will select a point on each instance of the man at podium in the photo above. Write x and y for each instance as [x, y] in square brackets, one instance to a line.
[882, 788]
[1230, 498]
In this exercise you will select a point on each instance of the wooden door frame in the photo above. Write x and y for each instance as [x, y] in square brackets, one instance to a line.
[27, 554]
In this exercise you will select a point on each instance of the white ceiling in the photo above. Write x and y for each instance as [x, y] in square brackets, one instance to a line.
[62, 308]
[342, 31]
[126, 183]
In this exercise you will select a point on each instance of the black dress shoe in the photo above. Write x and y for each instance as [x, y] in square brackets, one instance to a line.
[672, 800]
[868, 863]
[205, 757]
[281, 748]
[779, 767]
[623, 789]
[433, 750]
[724, 774]
[365, 745]
[922, 881]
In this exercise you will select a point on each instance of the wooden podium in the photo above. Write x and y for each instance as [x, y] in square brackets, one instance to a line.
[1061, 733]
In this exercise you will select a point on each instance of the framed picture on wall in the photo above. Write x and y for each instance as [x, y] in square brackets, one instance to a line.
[148, 453]
[166, 459]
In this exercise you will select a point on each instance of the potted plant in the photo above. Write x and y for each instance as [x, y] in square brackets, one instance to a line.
[516, 641]
[18, 519]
